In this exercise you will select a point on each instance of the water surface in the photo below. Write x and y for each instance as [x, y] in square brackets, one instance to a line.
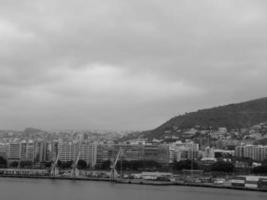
[35, 189]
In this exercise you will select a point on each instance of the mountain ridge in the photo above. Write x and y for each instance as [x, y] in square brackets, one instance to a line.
[231, 116]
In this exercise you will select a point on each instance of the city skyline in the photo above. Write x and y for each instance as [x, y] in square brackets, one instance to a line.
[125, 65]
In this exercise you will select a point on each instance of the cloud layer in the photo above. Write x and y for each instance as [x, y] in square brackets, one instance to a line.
[126, 64]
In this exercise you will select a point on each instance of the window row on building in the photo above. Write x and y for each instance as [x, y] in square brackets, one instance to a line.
[254, 152]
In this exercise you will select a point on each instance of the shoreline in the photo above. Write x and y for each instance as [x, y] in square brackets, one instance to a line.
[137, 182]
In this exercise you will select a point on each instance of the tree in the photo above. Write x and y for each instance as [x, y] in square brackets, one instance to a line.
[134, 165]
[185, 164]
[137, 165]
[149, 164]
[222, 166]
[59, 163]
[260, 170]
[3, 162]
[264, 162]
[64, 164]
[14, 164]
[26, 164]
[81, 164]
[47, 164]
[247, 160]
[105, 165]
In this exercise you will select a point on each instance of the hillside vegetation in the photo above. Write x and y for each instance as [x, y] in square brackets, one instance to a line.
[233, 116]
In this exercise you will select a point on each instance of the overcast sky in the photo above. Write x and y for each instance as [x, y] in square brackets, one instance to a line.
[127, 64]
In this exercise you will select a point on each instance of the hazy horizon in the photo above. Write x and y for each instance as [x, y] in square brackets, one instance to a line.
[127, 65]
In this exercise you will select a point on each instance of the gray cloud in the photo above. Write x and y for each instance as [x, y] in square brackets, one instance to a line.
[126, 64]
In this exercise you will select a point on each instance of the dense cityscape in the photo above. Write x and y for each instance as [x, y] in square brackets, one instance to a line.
[208, 156]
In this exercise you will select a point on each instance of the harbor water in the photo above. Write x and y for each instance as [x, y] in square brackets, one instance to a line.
[25, 189]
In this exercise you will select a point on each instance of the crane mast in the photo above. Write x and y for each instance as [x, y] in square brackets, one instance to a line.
[75, 170]
[54, 169]
[113, 166]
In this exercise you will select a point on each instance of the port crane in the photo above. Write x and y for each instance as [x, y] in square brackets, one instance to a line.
[54, 169]
[75, 170]
[113, 172]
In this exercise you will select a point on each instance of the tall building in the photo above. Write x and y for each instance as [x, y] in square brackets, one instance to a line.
[255, 152]
[27, 151]
[184, 151]
[41, 151]
[3, 150]
[105, 152]
[23, 150]
[14, 151]
[132, 152]
[88, 153]
[30, 151]
[66, 151]
[152, 152]
[157, 152]
[239, 151]
[208, 152]
[52, 148]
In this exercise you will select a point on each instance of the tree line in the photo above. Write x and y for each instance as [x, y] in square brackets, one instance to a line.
[139, 165]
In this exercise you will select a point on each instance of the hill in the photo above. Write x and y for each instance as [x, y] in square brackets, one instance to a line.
[233, 116]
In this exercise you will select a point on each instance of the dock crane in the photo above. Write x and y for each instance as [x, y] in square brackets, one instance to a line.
[75, 170]
[54, 169]
[113, 172]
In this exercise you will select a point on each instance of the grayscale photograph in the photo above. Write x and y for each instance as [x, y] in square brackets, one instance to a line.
[133, 99]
